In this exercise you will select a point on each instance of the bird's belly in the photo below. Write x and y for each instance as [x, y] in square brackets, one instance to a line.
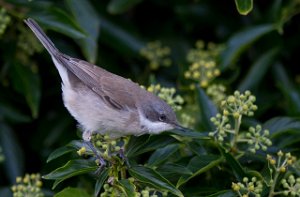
[95, 116]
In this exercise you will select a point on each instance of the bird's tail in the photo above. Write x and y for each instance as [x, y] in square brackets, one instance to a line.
[40, 34]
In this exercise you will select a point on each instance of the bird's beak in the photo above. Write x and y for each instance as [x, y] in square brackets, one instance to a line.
[181, 128]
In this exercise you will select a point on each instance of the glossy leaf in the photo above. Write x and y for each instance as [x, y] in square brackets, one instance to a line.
[124, 41]
[14, 160]
[120, 6]
[73, 146]
[207, 109]
[189, 133]
[235, 165]
[225, 193]
[280, 124]
[87, 18]
[135, 144]
[100, 181]
[174, 170]
[128, 187]
[27, 83]
[70, 169]
[288, 88]
[59, 152]
[153, 178]
[59, 21]
[240, 41]
[244, 6]
[258, 70]
[199, 165]
[12, 113]
[152, 143]
[74, 192]
[5, 191]
[162, 154]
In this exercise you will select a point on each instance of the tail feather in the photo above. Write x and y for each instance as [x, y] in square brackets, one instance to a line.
[53, 51]
[40, 34]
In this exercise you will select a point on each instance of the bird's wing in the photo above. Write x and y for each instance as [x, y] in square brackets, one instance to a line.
[114, 90]
[111, 88]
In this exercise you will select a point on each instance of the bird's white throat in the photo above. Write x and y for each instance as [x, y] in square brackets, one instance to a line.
[153, 127]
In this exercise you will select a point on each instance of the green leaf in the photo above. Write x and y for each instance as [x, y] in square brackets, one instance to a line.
[74, 192]
[59, 152]
[128, 187]
[14, 156]
[7, 111]
[258, 70]
[100, 181]
[225, 193]
[188, 133]
[153, 178]
[207, 109]
[74, 145]
[70, 169]
[152, 143]
[27, 83]
[235, 165]
[120, 39]
[5, 191]
[58, 20]
[199, 165]
[162, 154]
[171, 170]
[135, 144]
[288, 88]
[244, 6]
[89, 21]
[121, 6]
[278, 125]
[240, 41]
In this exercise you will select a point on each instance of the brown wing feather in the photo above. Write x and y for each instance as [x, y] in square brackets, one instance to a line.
[108, 86]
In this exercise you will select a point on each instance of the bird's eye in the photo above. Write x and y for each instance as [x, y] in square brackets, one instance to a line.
[162, 117]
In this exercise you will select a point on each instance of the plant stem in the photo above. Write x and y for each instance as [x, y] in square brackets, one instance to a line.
[237, 124]
[272, 193]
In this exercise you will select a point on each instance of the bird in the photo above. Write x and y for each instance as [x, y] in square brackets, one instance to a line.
[103, 102]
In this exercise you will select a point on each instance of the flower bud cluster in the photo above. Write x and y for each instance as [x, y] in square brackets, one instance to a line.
[4, 20]
[29, 185]
[291, 186]
[233, 108]
[156, 54]
[187, 120]
[203, 63]
[217, 93]
[282, 162]
[168, 95]
[108, 147]
[1, 155]
[239, 104]
[248, 187]
[257, 139]
[111, 190]
[223, 128]
[150, 192]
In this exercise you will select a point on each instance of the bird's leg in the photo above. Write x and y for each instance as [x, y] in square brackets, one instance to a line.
[123, 156]
[87, 135]
[98, 156]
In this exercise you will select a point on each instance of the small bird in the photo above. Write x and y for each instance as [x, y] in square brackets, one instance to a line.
[103, 102]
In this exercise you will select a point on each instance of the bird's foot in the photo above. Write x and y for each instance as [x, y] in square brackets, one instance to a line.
[99, 159]
[123, 157]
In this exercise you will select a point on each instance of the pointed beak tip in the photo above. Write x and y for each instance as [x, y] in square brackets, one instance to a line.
[181, 128]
